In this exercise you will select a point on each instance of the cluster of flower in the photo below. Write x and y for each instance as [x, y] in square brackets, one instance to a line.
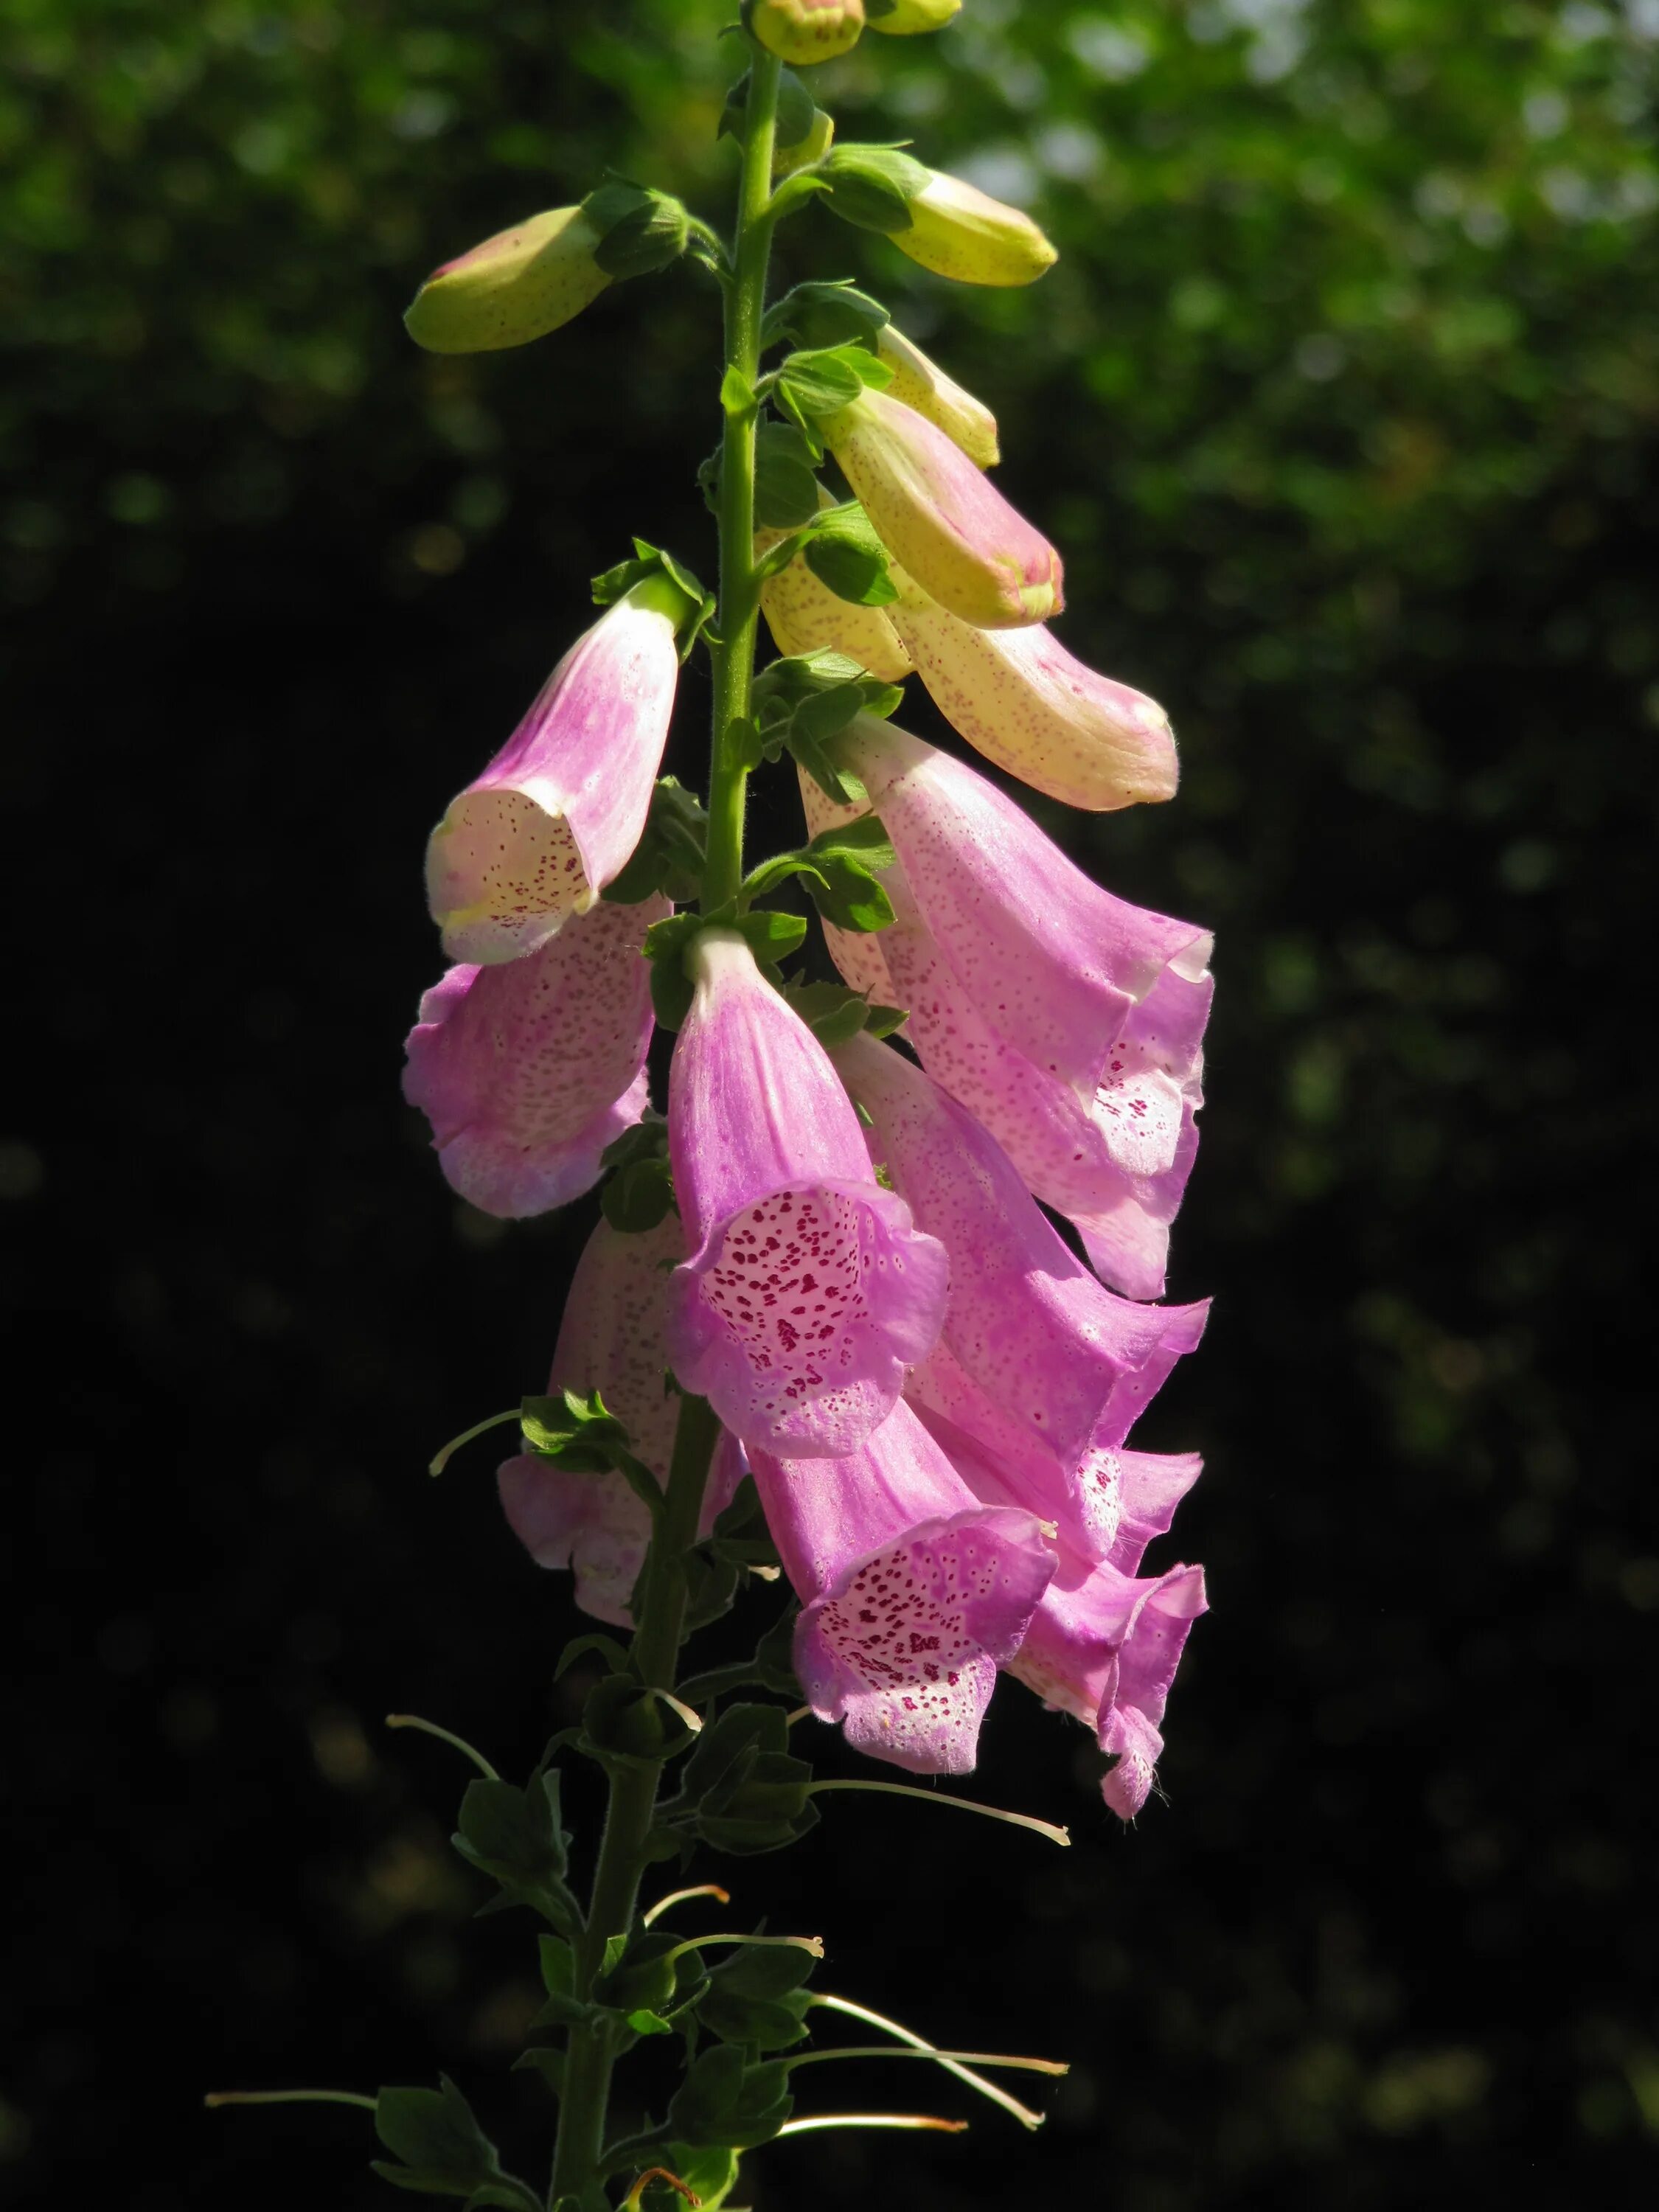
[931, 1391]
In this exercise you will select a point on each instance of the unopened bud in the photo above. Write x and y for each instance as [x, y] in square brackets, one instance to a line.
[903, 19]
[801, 31]
[922, 386]
[515, 287]
[959, 231]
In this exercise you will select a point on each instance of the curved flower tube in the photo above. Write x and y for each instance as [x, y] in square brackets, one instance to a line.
[808, 1290]
[942, 519]
[912, 1592]
[610, 1339]
[526, 1072]
[1045, 1370]
[1067, 1021]
[1025, 702]
[960, 232]
[803, 613]
[922, 386]
[510, 289]
[557, 814]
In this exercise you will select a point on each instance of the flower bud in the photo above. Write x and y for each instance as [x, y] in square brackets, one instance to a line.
[804, 614]
[959, 231]
[904, 19]
[801, 31]
[922, 386]
[516, 286]
[941, 519]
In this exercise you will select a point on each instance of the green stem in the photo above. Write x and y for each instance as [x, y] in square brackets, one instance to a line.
[633, 1804]
[740, 608]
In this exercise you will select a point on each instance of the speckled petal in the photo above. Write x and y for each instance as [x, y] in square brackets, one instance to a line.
[920, 384]
[526, 1072]
[913, 1594]
[804, 614]
[1025, 702]
[942, 519]
[558, 811]
[808, 1290]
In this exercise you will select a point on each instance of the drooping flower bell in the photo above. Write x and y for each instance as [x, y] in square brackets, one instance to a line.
[922, 386]
[610, 1339]
[1043, 1367]
[803, 32]
[557, 813]
[912, 1592]
[527, 1072]
[960, 232]
[808, 1290]
[1067, 1021]
[1025, 702]
[942, 519]
[510, 289]
[1105, 1642]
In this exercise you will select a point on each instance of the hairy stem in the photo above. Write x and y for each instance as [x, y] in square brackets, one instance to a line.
[739, 607]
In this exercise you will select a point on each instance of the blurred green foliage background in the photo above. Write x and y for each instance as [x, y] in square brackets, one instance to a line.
[1342, 404]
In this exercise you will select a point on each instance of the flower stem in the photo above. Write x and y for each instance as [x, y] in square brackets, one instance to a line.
[633, 1801]
[737, 619]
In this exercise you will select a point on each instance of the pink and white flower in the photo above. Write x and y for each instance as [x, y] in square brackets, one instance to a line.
[527, 1072]
[808, 1290]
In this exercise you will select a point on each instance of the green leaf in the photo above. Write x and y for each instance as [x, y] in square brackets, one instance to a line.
[514, 1837]
[710, 2170]
[772, 937]
[785, 489]
[638, 1191]
[649, 2023]
[834, 1013]
[844, 553]
[737, 393]
[727, 2102]
[742, 1789]
[444, 2152]
[795, 110]
[558, 1963]
[883, 1021]
[614, 1655]
[873, 186]
[825, 314]
[825, 378]
[671, 850]
[757, 1996]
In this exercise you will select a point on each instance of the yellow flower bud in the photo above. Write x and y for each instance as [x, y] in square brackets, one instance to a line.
[801, 31]
[804, 614]
[922, 386]
[515, 287]
[903, 19]
[956, 230]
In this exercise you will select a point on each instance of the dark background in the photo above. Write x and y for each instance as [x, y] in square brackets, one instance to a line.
[1342, 404]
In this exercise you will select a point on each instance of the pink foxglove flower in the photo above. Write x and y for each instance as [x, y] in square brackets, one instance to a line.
[942, 519]
[1043, 1368]
[526, 1072]
[912, 1592]
[808, 1290]
[559, 811]
[1067, 1021]
[1103, 1645]
[610, 1340]
[1025, 702]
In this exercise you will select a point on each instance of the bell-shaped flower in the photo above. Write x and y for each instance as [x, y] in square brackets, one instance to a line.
[1044, 1370]
[912, 1593]
[1067, 1021]
[1025, 702]
[557, 813]
[803, 32]
[960, 232]
[526, 1072]
[510, 288]
[808, 1290]
[904, 19]
[804, 615]
[923, 386]
[610, 1340]
[941, 517]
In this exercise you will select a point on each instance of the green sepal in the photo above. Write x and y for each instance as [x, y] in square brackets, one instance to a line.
[709, 2171]
[514, 1837]
[795, 110]
[842, 879]
[615, 1656]
[582, 1436]
[741, 1790]
[614, 583]
[640, 230]
[442, 2150]
[821, 314]
[638, 1191]
[885, 1021]
[770, 937]
[835, 1013]
[844, 553]
[711, 1590]
[786, 488]
[774, 1658]
[822, 379]
[558, 1964]
[726, 2101]
[873, 186]
[625, 1723]
[803, 700]
[671, 850]
[757, 1997]
[644, 1975]
[545, 2060]
[737, 393]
